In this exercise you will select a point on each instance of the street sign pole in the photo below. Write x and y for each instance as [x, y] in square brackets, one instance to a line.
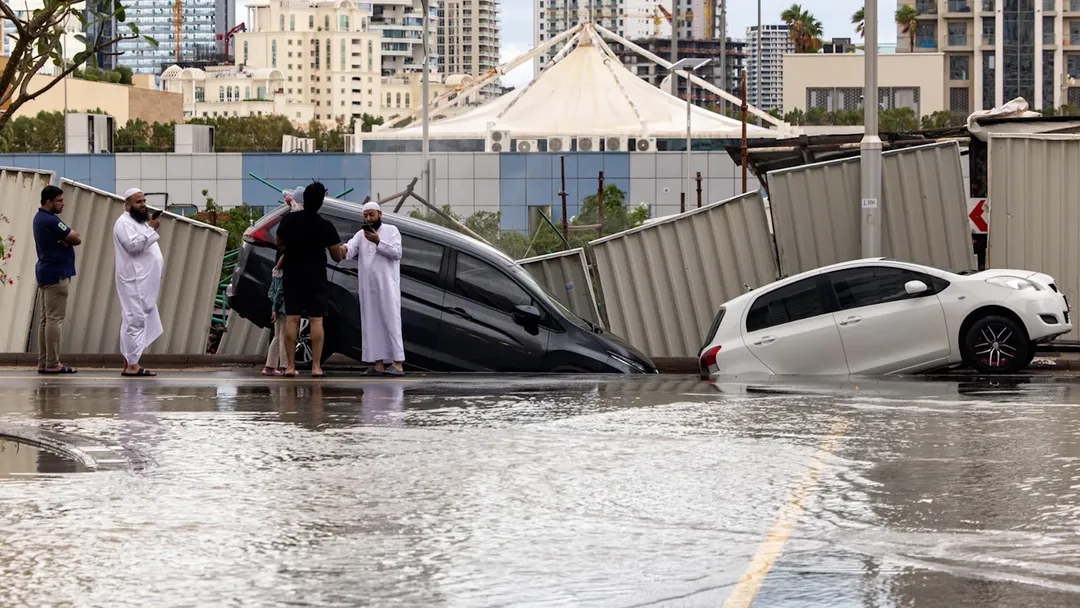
[870, 148]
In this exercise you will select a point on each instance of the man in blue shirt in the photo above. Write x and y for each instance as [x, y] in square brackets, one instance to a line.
[55, 267]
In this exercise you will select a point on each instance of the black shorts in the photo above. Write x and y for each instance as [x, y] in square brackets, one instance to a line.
[306, 298]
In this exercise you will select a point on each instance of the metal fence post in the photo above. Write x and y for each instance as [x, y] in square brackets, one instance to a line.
[600, 204]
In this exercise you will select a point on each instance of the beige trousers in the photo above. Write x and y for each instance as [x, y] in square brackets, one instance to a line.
[275, 358]
[52, 307]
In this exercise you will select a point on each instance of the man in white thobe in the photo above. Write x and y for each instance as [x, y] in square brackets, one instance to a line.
[139, 266]
[377, 249]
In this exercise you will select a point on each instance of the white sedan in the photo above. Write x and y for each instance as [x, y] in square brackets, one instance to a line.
[881, 316]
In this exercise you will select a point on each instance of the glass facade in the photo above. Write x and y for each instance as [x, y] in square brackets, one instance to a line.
[154, 18]
[989, 75]
[1018, 49]
[1048, 79]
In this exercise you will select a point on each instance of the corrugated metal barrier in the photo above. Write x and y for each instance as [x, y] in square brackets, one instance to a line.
[816, 210]
[663, 282]
[242, 337]
[193, 252]
[1034, 194]
[20, 198]
[566, 276]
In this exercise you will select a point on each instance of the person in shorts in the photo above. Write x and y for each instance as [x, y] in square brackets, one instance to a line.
[304, 237]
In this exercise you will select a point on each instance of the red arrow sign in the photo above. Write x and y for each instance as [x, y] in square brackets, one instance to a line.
[976, 216]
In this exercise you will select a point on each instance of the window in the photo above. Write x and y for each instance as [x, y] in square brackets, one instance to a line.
[292, 23]
[282, 23]
[236, 93]
[328, 53]
[421, 260]
[200, 94]
[860, 287]
[398, 99]
[960, 100]
[483, 283]
[407, 100]
[343, 23]
[388, 100]
[959, 67]
[247, 92]
[311, 22]
[326, 23]
[245, 51]
[273, 53]
[221, 94]
[369, 51]
[343, 58]
[795, 302]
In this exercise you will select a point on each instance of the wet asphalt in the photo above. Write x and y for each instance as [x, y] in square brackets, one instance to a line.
[214, 488]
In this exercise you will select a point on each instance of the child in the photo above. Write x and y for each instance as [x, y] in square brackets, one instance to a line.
[275, 358]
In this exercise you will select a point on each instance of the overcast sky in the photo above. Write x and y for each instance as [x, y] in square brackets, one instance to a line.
[835, 16]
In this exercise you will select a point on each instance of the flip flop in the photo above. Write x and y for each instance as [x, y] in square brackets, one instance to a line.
[371, 371]
[62, 370]
[142, 373]
[394, 372]
[322, 375]
[288, 375]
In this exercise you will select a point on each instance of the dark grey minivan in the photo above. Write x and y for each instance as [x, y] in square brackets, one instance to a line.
[465, 306]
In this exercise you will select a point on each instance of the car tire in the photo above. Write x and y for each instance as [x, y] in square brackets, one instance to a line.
[1033, 350]
[997, 345]
[303, 345]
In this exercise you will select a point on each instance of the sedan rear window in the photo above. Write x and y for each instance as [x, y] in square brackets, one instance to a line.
[715, 327]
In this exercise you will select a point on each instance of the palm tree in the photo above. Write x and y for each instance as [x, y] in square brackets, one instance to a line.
[804, 29]
[907, 18]
[859, 21]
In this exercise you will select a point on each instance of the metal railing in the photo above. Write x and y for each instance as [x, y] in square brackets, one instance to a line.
[1049, 5]
[958, 40]
[925, 43]
[1049, 38]
[926, 8]
[958, 6]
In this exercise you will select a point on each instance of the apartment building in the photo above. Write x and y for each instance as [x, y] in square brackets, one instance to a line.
[775, 43]
[468, 40]
[204, 20]
[735, 52]
[998, 50]
[234, 91]
[325, 50]
[401, 23]
[632, 19]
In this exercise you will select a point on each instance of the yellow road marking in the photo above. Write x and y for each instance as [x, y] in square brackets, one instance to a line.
[773, 546]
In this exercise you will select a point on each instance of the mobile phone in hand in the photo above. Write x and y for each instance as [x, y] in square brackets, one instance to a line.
[368, 227]
[156, 214]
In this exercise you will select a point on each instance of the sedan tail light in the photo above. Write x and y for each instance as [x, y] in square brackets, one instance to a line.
[259, 234]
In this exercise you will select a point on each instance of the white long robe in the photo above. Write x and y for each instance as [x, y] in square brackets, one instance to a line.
[378, 270]
[139, 266]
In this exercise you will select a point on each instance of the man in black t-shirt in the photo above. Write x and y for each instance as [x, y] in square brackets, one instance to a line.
[304, 237]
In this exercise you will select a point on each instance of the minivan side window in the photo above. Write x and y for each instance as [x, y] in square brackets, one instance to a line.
[858, 287]
[483, 283]
[421, 260]
[795, 302]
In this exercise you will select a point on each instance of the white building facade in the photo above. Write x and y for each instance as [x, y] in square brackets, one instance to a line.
[631, 19]
[775, 43]
[401, 23]
[468, 39]
[326, 51]
[238, 91]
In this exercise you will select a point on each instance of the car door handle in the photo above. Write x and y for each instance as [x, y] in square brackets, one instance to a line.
[461, 312]
[851, 321]
[765, 340]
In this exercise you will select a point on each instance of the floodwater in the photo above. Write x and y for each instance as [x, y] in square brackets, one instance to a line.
[209, 489]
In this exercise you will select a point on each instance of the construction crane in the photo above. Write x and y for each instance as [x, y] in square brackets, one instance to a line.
[178, 28]
[658, 16]
[227, 36]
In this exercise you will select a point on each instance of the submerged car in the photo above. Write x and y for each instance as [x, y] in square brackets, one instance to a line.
[465, 306]
[881, 316]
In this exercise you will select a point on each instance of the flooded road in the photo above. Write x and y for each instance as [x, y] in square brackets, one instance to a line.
[213, 489]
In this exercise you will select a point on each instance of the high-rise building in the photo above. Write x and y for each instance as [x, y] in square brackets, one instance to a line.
[203, 21]
[468, 41]
[735, 52]
[998, 50]
[98, 22]
[325, 50]
[775, 43]
[72, 46]
[632, 19]
[401, 23]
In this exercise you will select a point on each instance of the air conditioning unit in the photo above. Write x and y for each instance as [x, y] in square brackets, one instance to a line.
[498, 141]
[588, 144]
[526, 145]
[291, 143]
[645, 144]
[558, 144]
[616, 144]
[193, 139]
[88, 134]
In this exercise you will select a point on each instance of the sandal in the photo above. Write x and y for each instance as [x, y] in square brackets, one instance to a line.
[371, 371]
[142, 373]
[272, 373]
[62, 370]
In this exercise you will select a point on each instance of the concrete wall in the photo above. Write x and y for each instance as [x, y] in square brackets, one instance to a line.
[468, 182]
[928, 71]
[120, 101]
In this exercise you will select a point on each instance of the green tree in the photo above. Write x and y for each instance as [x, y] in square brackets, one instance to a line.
[805, 30]
[817, 116]
[795, 117]
[125, 74]
[133, 136]
[37, 40]
[41, 133]
[859, 21]
[943, 119]
[907, 18]
[236, 221]
[367, 122]
[163, 137]
[900, 120]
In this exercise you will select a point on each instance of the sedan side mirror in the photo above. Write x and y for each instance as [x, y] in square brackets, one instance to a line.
[527, 315]
[914, 288]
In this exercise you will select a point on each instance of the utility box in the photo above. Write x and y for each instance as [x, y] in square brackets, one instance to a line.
[88, 134]
[194, 139]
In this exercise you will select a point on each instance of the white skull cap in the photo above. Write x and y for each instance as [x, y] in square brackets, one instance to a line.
[132, 192]
[372, 206]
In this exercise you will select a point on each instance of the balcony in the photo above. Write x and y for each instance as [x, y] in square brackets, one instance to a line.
[1049, 39]
[925, 44]
[957, 41]
[959, 6]
[989, 39]
[926, 7]
[1049, 6]
[988, 6]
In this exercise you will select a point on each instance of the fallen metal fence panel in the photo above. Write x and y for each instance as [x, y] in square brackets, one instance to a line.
[242, 337]
[566, 276]
[192, 250]
[1034, 208]
[816, 210]
[663, 282]
[20, 198]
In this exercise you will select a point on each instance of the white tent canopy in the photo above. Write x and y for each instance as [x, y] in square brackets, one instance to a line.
[586, 93]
